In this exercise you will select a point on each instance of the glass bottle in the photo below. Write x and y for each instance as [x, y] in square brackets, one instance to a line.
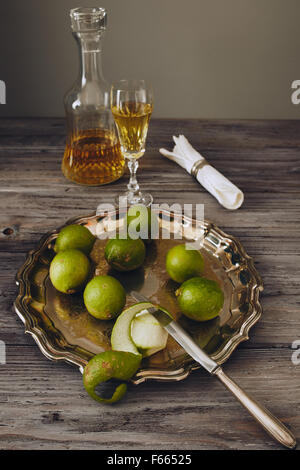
[92, 154]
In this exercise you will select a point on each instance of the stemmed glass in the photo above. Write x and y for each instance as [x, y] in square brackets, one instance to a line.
[131, 105]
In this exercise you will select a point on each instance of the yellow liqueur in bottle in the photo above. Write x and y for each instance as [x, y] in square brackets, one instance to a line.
[92, 155]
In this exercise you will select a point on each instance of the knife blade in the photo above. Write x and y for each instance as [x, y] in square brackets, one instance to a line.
[272, 425]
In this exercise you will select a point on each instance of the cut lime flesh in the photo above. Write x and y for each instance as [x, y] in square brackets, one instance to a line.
[138, 334]
[146, 332]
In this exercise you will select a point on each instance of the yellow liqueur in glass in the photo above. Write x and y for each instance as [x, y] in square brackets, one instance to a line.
[132, 120]
[131, 106]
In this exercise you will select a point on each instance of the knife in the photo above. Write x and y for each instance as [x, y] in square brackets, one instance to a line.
[264, 417]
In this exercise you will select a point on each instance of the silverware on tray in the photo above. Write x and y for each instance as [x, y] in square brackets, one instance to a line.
[270, 423]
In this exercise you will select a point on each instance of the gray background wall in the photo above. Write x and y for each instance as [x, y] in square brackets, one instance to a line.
[205, 58]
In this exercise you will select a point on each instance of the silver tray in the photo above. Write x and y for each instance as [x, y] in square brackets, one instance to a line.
[64, 331]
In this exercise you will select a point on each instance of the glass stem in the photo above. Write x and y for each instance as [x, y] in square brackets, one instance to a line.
[133, 186]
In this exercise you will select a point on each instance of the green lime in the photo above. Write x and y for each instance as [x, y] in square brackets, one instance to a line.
[74, 237]
[142, 221]
[182, 264]
[125, 255]
[104, 297]
[200, 299]
[105, 369]
[69, 271]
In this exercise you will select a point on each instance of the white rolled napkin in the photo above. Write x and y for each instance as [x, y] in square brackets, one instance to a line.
[211, 179]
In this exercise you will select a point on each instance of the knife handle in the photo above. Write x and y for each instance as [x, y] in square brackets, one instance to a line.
[272, 425]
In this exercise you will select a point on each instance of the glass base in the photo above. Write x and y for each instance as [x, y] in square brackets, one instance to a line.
[131, 199]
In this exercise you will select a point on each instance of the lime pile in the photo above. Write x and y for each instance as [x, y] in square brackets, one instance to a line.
[136, 333]
[104, 298]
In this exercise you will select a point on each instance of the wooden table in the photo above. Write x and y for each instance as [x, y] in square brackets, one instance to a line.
[43, 405]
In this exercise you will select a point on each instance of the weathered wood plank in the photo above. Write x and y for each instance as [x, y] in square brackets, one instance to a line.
[54, 412]
[256, 134]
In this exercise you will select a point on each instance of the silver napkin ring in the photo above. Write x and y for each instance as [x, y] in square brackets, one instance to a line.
[197, 166]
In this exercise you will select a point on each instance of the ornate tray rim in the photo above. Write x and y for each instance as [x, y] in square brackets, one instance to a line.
[68, 355]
